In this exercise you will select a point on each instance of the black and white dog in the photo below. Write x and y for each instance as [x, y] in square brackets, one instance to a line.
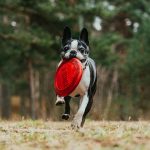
[87, 86]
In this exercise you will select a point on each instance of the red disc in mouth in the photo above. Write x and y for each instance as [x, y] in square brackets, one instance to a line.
[67, 76]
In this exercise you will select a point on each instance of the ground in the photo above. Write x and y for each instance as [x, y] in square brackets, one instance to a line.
[40, 135]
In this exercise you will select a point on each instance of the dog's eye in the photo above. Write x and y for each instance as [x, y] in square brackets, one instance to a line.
[86, 52]
[81, 50]
[66, 48]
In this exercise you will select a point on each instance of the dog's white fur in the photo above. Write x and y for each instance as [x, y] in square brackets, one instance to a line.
[74, 45]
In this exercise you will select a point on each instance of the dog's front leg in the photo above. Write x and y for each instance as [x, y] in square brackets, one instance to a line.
[76, 123]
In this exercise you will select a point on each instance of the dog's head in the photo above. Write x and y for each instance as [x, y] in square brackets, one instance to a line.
[73, 47]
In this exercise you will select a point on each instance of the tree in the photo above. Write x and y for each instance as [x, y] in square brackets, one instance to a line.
[30, 34]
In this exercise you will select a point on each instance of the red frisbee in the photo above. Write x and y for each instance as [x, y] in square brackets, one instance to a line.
[68, 76]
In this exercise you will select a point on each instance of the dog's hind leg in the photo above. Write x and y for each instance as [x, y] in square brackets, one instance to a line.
[66, 114]
[59, 101]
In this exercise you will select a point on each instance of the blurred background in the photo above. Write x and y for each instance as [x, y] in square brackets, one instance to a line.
[30, 40]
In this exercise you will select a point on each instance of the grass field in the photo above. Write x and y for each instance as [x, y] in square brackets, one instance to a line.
[29, 135]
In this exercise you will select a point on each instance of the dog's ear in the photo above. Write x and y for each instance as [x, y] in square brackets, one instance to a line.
[84, 36]
[66, 35]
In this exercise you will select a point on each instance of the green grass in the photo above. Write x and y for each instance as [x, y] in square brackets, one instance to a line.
[29, 135]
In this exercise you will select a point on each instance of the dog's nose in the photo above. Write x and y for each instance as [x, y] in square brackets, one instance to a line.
[73, 52]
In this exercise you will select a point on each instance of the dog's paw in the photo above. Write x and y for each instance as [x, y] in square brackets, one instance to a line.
[75, 126]
[65, 116]
[76, 123]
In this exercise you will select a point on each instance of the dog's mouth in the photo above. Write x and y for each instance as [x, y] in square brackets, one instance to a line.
[72, 54]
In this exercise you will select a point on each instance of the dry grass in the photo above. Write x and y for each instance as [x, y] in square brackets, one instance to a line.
[29, 135]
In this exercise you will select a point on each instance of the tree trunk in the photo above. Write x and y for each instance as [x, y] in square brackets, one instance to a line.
[0, 100]
[5, 102]
[110, 94]
[37, 92]
[34, 90]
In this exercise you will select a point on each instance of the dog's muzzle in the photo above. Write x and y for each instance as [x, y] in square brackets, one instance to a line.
[69, 54]
[73, 54]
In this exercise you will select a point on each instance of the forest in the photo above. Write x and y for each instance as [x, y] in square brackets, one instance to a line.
[30, 44]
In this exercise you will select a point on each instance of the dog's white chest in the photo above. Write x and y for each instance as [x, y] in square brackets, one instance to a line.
[83, 84]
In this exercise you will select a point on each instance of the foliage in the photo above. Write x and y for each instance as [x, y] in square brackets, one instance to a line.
[30, 32]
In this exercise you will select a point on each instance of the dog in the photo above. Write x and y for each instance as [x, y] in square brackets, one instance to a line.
[73, 48]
